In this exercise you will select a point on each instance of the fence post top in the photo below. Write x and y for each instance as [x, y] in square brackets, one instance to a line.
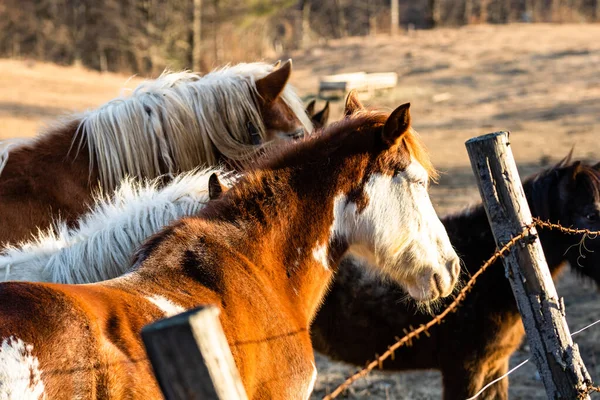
[486, 137]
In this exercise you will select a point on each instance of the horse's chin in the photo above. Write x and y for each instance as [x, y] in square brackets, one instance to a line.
[423, 295]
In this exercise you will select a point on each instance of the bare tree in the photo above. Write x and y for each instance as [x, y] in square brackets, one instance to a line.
[468, 11]
[395, 17]
[305, 23]
[556, 11]
[197, 38]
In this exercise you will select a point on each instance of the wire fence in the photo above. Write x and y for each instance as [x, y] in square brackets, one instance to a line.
[415, 333]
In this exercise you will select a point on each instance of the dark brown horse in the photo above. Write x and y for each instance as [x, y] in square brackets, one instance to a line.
[361, 316]
[172, 124]
[265, 253]
[319, 118]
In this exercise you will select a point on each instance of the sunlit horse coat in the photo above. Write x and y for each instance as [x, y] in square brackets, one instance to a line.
[253, 254]
[173, 124]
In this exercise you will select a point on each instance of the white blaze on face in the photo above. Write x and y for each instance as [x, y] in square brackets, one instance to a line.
[166, 305]
[400, 232]
[20, 374]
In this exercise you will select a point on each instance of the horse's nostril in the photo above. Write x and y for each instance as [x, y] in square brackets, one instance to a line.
[438, 284]
[455, 268]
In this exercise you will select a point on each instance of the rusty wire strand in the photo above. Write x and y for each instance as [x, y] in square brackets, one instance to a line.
[589, 389]
[414, 333]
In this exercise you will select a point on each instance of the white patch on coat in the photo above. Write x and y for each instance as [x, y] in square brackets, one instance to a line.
[319, 253]
[399, 231]
[311, 384]
[20, 374]
[165, 305]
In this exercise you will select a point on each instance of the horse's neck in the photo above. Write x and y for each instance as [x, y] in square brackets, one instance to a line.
[473, 240]
[294, 230]
[268, 231]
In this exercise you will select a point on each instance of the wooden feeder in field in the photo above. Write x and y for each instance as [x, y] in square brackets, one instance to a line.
[365, 84]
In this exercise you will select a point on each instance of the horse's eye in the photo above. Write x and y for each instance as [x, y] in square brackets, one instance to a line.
[592, 217]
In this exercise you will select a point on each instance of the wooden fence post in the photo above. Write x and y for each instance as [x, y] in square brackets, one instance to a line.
[191, 358]
[556, 356]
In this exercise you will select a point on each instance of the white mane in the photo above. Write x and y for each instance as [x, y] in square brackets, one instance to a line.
[177, 122]
[102, 246]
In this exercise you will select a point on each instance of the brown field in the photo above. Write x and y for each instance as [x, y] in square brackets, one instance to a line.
[541, 82]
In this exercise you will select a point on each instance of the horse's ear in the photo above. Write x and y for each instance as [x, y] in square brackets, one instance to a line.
[577, 168]
[271, 86]
[567, 183]
[310, 108]
[397, 124]
[353, 104]
[567, 160]
[322, 116]
[215, 188]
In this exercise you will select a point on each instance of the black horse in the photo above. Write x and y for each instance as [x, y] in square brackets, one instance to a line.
[361, 315]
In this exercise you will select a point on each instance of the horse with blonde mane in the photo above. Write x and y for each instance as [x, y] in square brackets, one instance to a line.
[170, 125]
[104, 239]
[363, 185]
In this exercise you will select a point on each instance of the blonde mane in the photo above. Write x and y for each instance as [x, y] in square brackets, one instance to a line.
[106, 238]
[178, 122]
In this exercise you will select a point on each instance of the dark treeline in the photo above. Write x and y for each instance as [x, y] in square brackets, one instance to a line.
[145, 36]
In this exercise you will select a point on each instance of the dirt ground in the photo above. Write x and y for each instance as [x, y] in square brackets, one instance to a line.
[540, 82]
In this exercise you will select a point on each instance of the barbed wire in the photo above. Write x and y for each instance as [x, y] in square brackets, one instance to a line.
[590, 387]
[414, 333]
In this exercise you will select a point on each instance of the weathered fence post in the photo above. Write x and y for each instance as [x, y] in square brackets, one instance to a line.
[557, 358]
[191, 358]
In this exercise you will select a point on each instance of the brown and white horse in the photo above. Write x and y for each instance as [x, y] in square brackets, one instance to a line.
[104, 240]
[265, 253]
[166, 126]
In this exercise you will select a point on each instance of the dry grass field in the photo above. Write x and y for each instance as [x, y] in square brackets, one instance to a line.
[541, 82]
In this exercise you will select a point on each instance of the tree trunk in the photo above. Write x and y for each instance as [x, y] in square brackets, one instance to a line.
[507, 11]
[372, 18]
[394, 17]
[431, 19]
[150, 34]
[468, 11]
[341, 18]
[530, 11]
[483, 14]
[306, 24]
[16, 45]
[102, 59]
[197, 36]
[556, 5]
[217, 39]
